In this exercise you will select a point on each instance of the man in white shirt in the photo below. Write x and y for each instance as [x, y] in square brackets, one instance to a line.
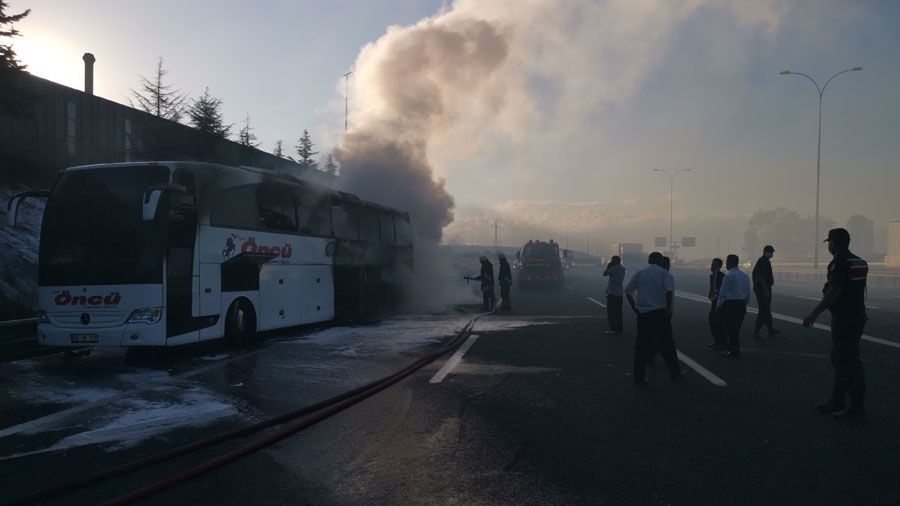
[732, 305]
[655, 289]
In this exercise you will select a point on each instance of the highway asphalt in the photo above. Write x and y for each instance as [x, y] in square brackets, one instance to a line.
[540, 409]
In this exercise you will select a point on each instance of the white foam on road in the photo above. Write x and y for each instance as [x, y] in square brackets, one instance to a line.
[790, 319]
[127, 422]
[568, 287]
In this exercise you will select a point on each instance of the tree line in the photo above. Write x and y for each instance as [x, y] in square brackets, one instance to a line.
[157, 97]
[153, 95]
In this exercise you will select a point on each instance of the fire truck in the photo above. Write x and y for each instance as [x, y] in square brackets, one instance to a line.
[539, 264]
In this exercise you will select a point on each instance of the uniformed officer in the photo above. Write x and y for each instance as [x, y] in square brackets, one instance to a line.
[505, 278]
[844, 295]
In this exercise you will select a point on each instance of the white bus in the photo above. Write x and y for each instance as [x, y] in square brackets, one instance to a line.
[169, 253]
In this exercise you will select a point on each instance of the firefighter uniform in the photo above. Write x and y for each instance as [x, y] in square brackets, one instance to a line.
[487, 283]
[505, 278]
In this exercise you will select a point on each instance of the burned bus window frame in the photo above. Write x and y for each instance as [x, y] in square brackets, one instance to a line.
[276, 208]
[345, 228]
[369, 223]
[313, 212]
[235, 208]
[388, 233]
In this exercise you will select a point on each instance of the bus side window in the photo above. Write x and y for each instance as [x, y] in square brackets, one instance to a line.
[368, 224]
[345, 220]
[387, 227]
[235, 208]
[276, 208]
[313, 212]
[404, 230]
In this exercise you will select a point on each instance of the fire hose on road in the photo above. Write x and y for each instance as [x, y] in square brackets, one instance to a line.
[293, 422]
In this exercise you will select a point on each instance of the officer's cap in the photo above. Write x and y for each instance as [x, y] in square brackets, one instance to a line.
[838, 235]
[769, 247]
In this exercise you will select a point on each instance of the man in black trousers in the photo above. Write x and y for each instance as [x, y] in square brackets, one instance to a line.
[732, 304]
[845, 296]
[655, 289]
[762, 288]
[715, 325]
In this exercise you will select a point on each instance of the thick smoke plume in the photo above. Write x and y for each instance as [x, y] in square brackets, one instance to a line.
[493, 94]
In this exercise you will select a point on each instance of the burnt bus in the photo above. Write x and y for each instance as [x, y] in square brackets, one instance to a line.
[539, 264]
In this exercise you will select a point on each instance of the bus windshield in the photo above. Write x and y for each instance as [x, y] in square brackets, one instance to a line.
[93, 232]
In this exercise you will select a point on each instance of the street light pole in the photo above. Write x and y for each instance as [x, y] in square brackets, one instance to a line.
[346, 97]
[671, 202]
[818, 148]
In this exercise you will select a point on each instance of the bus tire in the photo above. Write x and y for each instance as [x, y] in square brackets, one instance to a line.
[240, 323]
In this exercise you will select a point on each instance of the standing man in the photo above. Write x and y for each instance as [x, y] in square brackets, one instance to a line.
[762, 288]
[715, 284]
[505, 278]
[845, 296]
[487, 283]
[732, 304]
[655, 289]
[615, 294]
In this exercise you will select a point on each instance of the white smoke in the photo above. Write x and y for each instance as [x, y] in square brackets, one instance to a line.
[485, 91]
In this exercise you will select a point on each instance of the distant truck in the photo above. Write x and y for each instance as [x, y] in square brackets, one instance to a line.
[539, 264]
[631, 253]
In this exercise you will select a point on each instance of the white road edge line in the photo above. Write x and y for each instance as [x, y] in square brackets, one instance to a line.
[702, 371]
[790, 319]
[454, 360]
[595, 301]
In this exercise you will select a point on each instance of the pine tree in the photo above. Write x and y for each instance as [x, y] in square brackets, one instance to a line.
[305, 152]
[13, 98]
[206, 116]
[330, 166]
[157, 98]
[246, 136]
[278, 151]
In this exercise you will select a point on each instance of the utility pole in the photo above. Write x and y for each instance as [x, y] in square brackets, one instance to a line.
[346, 97]
[496, 234]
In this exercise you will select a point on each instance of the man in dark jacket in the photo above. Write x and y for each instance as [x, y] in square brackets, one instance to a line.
[487, 283]
[762, 287]
[505, 278]
[715, 322]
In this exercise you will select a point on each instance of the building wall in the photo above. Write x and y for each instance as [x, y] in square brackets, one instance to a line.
[893, 244]
[862, 236]
[69, 127]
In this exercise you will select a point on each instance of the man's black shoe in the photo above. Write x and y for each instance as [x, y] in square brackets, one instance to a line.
[714, 346]
[731, 354]
[774, 332]
[850, 415]
[756, 336]
[828, 408]
[677, 377]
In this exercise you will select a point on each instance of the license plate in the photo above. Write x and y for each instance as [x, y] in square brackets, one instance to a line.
[85, 338]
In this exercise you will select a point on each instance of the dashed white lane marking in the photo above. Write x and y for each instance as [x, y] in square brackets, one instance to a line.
[702, 371]
[568, 287]
[595, 301]
[790, 319]
[454, 360]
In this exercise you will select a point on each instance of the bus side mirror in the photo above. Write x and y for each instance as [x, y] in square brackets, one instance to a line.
[151, 203]
[12, 210]
[519, 255]
[565, 253]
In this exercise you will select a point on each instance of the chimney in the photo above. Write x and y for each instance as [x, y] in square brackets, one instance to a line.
[88, 73]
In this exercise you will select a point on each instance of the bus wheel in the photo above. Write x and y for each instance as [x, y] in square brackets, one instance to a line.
[240, 325]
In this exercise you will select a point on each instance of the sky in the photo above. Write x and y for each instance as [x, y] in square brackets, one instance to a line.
[562, 128]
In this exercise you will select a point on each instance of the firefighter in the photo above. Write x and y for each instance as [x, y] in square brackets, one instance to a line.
[487, 283]
[505, 278]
